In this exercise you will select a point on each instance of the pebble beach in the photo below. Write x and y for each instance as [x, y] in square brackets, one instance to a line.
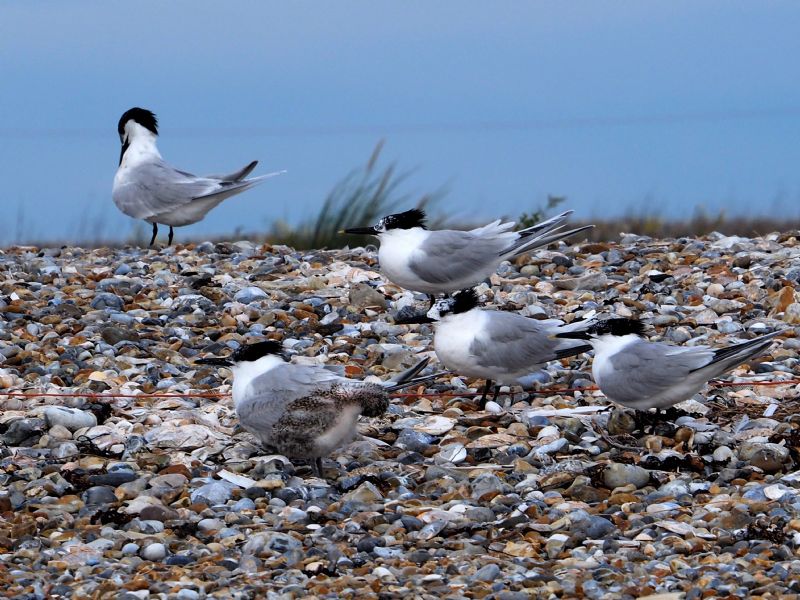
[124, 473]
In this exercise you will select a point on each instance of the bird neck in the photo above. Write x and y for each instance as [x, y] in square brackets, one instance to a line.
[414, 234]
[141, 145]
[611, 344]
[245, 372]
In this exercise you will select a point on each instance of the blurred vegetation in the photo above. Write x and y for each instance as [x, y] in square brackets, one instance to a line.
[541, 213]
[700, 224]
[372, 191]
[360, 199]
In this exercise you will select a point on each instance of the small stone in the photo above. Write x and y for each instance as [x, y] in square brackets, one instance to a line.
[363, 296]
[792, 314]
[366, 493]
[487, 573]
[99, 494]
[154, 552]
[555, 545]
[621, 421]
[208, 525]
[249, 294]
[617, 475]
[70, 418]
[23, 431]
[108, 301]
[115, 335]
[213, 494]
[130, 549]
[416, 441]
[770, 458]
[722, 454]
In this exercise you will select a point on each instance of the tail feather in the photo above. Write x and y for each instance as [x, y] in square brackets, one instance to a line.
[527, 244]
[408, 374]
[546, 225]
[415, 381]
[736, 354]
[230, 188]
[236, 175]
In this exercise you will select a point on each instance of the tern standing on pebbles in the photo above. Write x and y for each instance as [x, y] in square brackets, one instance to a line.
[640, 374]
[495, 345]
[302, 411]
[446, 260]
[146, 187]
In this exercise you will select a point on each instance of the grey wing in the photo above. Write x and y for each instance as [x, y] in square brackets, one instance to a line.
[514, 342]
[156, 187]
[449, 255]
[269, 395]
[646, 369]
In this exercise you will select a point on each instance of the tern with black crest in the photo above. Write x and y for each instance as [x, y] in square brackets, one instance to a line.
[641, 374]
[303, 411]
[494, 345]
[444, 261]
[146, 187]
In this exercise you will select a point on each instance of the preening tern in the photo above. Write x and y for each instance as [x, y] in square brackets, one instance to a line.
[146, 187]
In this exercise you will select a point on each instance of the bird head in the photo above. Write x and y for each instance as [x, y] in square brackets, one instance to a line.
[246, 353]
[404, 220]
[458, 303]
[134, 122]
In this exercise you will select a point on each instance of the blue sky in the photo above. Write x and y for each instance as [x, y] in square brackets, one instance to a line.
[657, 107]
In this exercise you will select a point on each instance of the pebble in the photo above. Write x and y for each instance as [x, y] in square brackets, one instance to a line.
[69, 418]
[540, 495]
[618, 475]
[154, 552]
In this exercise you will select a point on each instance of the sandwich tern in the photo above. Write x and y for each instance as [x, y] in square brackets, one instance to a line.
[494, 345]
[146, 187]
[641, 374]
[303, 411]
[446, 260]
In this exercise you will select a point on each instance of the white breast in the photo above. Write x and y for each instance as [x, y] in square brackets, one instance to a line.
[397, 247]
[454, 335]
[605, 347]
[245, 372]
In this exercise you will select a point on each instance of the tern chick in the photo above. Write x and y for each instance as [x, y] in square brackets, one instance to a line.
[303, 411]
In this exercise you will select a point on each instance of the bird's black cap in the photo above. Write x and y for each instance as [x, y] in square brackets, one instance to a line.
[142, 116]
[252, 352]
[244, 353]
[405, 220]
[464, 301]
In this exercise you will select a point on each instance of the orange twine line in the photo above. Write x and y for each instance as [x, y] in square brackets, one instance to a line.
[29, 394]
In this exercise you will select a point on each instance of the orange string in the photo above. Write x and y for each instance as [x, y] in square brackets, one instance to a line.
[554, 390]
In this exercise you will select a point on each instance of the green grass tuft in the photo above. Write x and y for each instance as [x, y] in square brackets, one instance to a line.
[361, 198]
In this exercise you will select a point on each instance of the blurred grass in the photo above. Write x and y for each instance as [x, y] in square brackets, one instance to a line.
[361, 198]
[700, 224]
[372, 191]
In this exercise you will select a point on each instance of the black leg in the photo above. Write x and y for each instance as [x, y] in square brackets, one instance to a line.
[169, 239]
[432, 300]
[486, 389]
[155, 233]
[496, 393]
[316, 467]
